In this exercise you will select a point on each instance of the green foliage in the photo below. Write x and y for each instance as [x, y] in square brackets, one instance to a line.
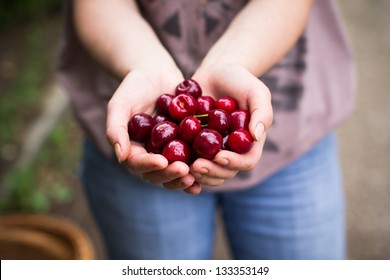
[23, 96]
[42, 184]
[47, 181]
[12, 11]
[24, 196]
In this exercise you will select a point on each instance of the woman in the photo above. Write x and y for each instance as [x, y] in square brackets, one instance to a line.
[118, 56]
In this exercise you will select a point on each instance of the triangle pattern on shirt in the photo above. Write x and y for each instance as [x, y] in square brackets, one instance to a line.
[172, 26]
[211, 23]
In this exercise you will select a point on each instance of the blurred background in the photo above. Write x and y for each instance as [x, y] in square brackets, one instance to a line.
[40, 141]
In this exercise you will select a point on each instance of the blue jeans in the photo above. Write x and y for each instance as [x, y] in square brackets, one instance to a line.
[298, 213]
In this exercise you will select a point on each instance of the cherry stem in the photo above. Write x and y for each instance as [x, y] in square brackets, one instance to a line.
[201, 116]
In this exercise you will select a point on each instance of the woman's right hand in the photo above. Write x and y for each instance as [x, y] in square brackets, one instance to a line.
[138, 93]
[117, 35]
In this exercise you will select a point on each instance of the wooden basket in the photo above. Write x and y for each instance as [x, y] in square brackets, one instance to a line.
[42, 237]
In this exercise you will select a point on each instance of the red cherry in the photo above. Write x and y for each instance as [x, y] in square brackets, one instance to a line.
[164, 132]
[189, 127]
[207, 143]
[150, 148]
[239, 119]
[190, 87]
[226, 103]
[140, 127]
[240, 141]
[181, 106]
[159, 118]
[162, 103]
[177, 150]
[218, 120]
[225, 145]
[205, 105]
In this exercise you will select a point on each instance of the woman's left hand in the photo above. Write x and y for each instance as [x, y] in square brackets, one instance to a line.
[251, 94]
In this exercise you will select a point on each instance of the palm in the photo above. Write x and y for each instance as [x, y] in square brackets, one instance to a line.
[249, 92]
[252, 95]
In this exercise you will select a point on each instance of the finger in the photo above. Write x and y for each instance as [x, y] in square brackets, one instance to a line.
[141, 161]
[203, 167]
[210, 181]
[180, 183]
[118, 115]
[241, 162]
[195, 189]
[119, 138]
[260, 107]
[172, 172]
[122, 106]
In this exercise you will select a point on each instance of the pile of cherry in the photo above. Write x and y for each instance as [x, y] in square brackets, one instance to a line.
[189, 125]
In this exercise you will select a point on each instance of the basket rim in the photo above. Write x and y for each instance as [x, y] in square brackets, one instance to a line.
[77, 237]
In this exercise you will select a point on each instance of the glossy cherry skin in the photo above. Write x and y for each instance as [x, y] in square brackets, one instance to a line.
[164, 132]
[162, 103]
[219, 120]
[189, 127]
[239, 119]
[140, 127]
[207, 143]
[181, 106]
[190, 87]
[226, 103]
[159, 118]
[225, 145]
[150, 148]
[240, 141]
[177, 150]
[205, 105]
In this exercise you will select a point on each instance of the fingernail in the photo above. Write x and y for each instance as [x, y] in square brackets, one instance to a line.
[200, 172]
[203, 171]
[223, 161]
[259, 131]
[118, 152]
[183, 183]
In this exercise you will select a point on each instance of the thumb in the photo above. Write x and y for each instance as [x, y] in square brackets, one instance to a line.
[259, 103]
[118, 115]
[119, 139]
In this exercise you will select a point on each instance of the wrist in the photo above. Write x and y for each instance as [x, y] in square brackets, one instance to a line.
[210, 73]
[162, 75]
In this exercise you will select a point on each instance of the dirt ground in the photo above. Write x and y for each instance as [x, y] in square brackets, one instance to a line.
[365, 138]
